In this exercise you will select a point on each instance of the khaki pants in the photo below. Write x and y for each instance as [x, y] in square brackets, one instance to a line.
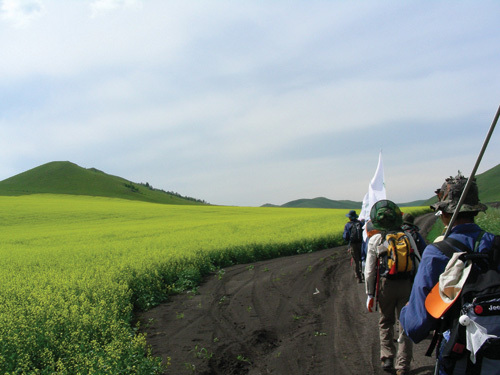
[355, 249]
[393, 295]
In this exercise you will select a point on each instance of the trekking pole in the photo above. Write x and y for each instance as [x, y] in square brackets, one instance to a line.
[473, 173]
[377, 284]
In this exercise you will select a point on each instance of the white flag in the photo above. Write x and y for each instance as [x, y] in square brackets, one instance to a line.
[376, 190]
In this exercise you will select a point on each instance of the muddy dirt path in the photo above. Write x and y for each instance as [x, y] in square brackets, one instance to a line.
[302, 314]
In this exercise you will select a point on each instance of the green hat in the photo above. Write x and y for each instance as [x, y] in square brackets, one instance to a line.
[386, 215]
[449, 195]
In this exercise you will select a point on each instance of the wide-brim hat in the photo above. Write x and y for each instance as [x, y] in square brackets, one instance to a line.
[408, 219]
[352, 215]
[450, 192]
[386, 215]
[449, 287]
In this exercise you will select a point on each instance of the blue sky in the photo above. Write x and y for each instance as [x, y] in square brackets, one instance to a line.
[252, 102]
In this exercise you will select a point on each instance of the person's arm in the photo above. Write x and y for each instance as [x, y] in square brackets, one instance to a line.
[370, 265]
[414, 318]
[347, 231]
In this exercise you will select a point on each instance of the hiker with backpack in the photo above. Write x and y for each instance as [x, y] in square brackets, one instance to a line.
[370, 231]
[389, 270]
[353, 234]
[456, 292]
[414, 230]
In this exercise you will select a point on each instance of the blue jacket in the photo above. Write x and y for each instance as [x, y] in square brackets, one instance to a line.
[414, 318]
[347, 230]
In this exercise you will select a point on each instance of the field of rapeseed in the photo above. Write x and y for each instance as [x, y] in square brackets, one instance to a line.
[75, 268]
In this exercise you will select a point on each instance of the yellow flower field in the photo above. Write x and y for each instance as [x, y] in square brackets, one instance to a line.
[73, 269]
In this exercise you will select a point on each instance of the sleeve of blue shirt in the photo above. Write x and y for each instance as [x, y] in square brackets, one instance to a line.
[421, 243]
[414, 318]
[347, 231]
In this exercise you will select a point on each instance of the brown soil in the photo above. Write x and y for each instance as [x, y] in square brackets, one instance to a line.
[302, 314]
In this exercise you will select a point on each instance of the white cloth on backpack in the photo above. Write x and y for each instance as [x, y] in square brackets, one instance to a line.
[476, 336]
[452, 280]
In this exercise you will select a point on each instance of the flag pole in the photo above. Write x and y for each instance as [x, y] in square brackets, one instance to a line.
[473, 173]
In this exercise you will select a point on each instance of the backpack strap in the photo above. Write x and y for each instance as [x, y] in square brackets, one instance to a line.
[449, 245]
[495, 252]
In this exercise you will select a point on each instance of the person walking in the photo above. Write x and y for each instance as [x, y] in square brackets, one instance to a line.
[391, 288]
[415, 319]
[414, 230]
[353, 234]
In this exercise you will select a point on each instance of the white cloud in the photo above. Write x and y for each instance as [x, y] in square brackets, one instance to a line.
[21, 12]
[247, 101]
[101, 7]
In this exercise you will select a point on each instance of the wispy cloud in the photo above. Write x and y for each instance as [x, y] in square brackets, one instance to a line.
[101, 7]
[250, 102]
[21, 12]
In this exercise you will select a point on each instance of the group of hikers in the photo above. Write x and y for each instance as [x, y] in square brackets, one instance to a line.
[450, 287]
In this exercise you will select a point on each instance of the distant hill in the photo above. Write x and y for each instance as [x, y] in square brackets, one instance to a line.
[320, 202]
[418, 203]
[488, 184]
[64, 177]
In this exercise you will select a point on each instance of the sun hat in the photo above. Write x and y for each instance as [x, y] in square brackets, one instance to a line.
[449, 195]
[386, 215]
[408, 219]
[352, 215]
[449, 287]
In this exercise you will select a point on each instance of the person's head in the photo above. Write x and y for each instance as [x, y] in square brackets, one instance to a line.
[408, 219]
[448, 196]
[370, 229]
[352, 215]
[386, 215]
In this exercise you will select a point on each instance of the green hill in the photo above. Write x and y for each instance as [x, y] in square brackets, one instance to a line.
[64, 177]
[488, 184]
[322, 202]
[319, 202]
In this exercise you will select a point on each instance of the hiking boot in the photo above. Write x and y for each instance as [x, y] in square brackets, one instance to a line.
[388, 364]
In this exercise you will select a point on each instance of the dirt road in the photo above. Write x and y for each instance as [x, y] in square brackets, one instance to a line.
[302, 314]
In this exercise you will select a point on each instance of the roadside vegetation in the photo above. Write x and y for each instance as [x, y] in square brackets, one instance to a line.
[75, 268]
[489, 221]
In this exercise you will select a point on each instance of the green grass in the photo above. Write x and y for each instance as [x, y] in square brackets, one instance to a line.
[489, 221]
[488, 183]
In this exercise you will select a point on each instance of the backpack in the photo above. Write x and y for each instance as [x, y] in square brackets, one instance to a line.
[398, 260]
[477, 304]
[356, 232]
[413, 230]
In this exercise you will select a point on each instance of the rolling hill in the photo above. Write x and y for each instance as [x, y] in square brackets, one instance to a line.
[488, 184]
[64, 177]
[319, 202]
